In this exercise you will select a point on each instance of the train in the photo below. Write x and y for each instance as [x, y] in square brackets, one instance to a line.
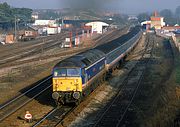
[77, 76]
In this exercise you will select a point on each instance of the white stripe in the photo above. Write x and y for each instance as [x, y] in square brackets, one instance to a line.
[122, 55]
[94, 63]
[122, 45]
[114, 61]
[88, 82]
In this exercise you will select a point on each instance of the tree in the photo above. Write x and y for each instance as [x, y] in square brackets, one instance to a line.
[168, 15]
[177, 12]
[8, 14]
[143, 17]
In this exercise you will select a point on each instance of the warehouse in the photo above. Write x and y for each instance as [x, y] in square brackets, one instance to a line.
[44, 22]
[98, 27]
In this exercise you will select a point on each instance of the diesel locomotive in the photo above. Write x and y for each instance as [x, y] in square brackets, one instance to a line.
[77, 76]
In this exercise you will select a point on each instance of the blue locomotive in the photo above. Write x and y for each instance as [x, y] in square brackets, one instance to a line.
[77, 76]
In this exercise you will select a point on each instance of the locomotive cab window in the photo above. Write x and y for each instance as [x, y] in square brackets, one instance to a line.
[63, 72]
[73, 72]
[60, 72]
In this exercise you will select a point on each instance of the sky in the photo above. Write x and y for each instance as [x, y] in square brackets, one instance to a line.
[124, 6]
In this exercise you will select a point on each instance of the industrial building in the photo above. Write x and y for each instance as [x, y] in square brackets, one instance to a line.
[97, 27]
[44, 22]
[156, 22]
[27, 34]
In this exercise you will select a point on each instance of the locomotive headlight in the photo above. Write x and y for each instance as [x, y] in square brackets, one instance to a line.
[76, 95]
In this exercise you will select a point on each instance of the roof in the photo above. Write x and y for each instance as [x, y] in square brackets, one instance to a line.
[145, 22]
[97, 22]
[156, 18]
[110, 46]
[82, 60]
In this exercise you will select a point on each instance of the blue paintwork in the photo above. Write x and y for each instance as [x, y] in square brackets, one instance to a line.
[92, 71]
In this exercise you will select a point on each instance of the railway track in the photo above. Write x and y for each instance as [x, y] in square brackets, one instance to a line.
[41, 48]
[21, 100]
[29, 51]
[17, 47]
[10, 53]
[55, 117]
[113, 114]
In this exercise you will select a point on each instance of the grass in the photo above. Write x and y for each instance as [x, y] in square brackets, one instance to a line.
[177, 68]
[178, 74]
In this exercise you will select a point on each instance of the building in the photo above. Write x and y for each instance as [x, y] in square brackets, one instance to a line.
[97, 27]
[170, 28]
[44, 22]
[146, 25]
[27, 34]
[9, 39]
[157, 22]
[6, 38]
[34, 16]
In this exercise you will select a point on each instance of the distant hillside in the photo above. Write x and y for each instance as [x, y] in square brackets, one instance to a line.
[8, 13]
[67, 13]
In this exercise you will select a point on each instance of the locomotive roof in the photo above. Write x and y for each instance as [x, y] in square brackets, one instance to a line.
[82, 60]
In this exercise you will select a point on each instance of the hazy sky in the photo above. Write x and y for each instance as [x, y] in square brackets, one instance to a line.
[125, 6]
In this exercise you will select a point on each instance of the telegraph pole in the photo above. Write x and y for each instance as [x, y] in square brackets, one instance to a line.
[15, 30]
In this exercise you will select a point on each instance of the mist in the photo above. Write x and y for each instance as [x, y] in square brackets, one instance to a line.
[87, 4]
[121, 6]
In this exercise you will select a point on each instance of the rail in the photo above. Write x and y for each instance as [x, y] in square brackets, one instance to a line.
[16, 103]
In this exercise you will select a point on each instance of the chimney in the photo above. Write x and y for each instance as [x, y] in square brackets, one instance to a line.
[155, 13]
